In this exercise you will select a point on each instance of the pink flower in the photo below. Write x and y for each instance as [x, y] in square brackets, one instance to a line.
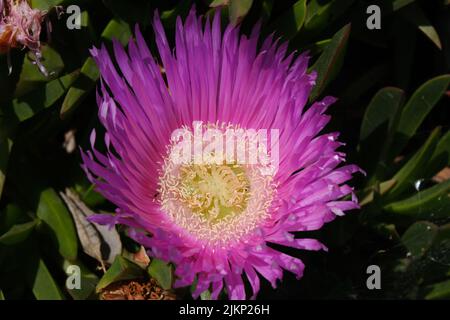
[214, 221]
[20, 25]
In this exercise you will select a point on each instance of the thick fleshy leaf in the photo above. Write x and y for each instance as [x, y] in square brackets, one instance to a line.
[419, 238]
[417, 108]
[45, 4]
[318, 47]
[88, 281]
[399, 4]
[30, 76]
[415, 168]
[44, 285]
[18, 233]
[440, 157]
[27, 106]
[291, 21]
[218, 3]
[89, 196]
[440, 290]
[381, 111]
[316, 10]
[388, 231]
[431, 202]
[417, 17]
[238, 9]
[162, 272]
[52, 211]
[121, 269]
[89, 73]
[10, 216]
[169, 17]
[330, 62]
[376, 190]
[378, 124]
[443, 149]
[319, 14]
[205, 295]
[266, 9]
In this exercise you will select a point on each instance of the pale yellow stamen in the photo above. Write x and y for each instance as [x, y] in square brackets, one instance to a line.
[215, 203]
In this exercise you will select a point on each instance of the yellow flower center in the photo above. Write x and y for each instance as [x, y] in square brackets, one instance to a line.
[216, 203]
[214, 191]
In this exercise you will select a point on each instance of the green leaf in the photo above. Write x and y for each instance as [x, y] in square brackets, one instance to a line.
[440, 157]
[419, 238]
[218, 3]
[88, 281]
[424, 204]
[121, 269]
[10, 216]
[398, 4]
[444, 232]
[291, 21]
[439, 290]
[388, 231]
[378, 189]
[415, 168]
[330, 62]
[17, 233]
[5, 149]
[2, 296]
[443, 149]
[169, 17]
[52, 211]
[317, 47]
[378, 125]
[117, 29]
[321, 13]
[205, 295]
[417, 108]
[89, 196]
[30, 76]
[89, 73]
[27, 106]
[266, 9]
[162, 272]
[415, 15]
[381, 111]
[44, 286]
[238, 9]
[45, 4]
[317, 13]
